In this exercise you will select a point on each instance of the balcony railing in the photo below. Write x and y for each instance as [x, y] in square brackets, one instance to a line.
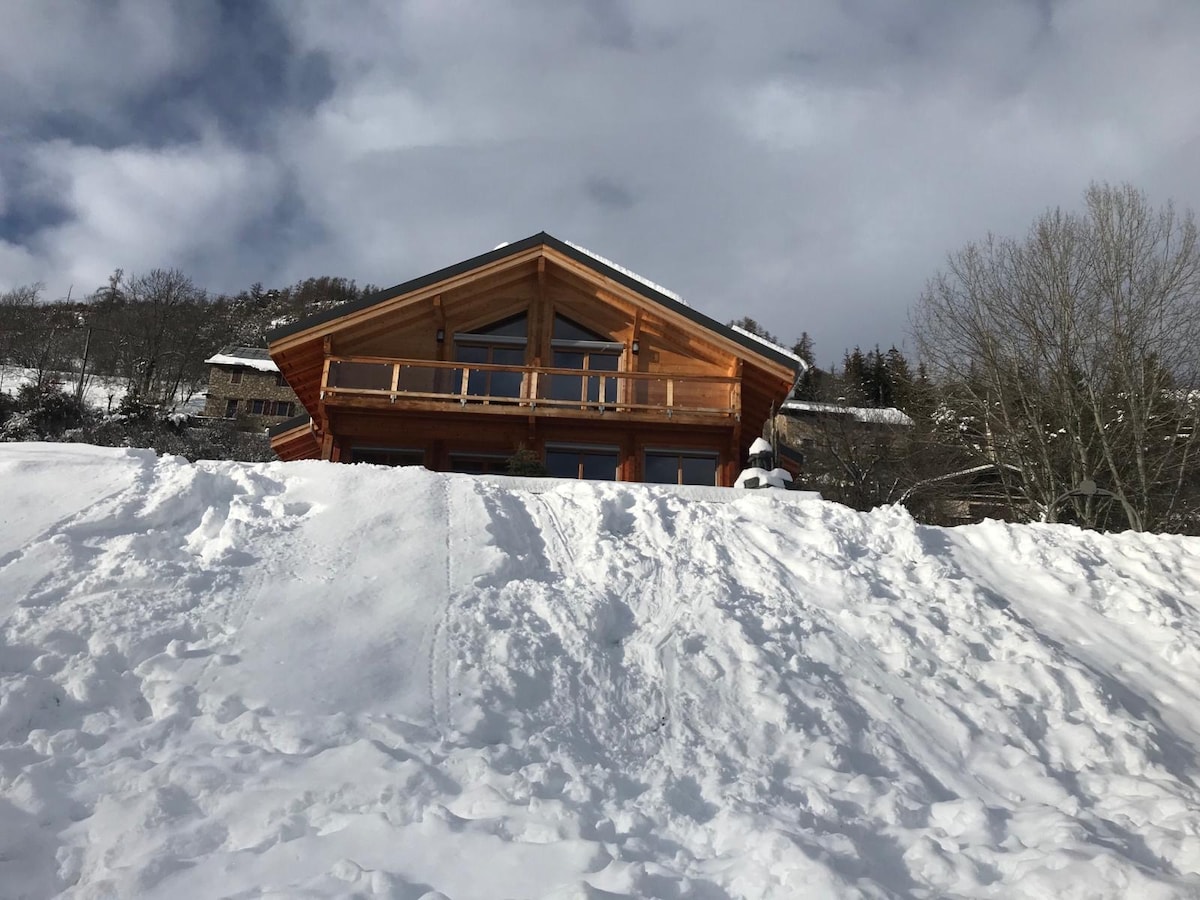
[373, 380]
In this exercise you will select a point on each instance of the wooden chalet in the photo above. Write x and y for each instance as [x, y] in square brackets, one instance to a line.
[540, 345]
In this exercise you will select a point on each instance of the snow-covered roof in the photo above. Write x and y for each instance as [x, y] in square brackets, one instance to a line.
[624, 271]
[774, 346]
[888, 416]
[250, 357]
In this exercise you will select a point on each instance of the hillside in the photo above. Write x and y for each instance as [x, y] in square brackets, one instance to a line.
[308, 680]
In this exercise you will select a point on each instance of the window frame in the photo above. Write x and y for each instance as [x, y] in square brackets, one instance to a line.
[490, 343]
[681, 453]
[483, 456]
[581, 450]
[589, 380]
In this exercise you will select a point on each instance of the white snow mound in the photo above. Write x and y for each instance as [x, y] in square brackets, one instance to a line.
[312, 680]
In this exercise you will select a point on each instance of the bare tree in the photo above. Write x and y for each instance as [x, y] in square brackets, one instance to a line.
[18, 316]
[151, 326]
[1072, 357]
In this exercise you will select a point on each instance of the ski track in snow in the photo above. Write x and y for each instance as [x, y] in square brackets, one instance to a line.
[307, 680]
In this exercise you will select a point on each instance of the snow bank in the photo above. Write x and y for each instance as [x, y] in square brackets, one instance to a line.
[311, 680]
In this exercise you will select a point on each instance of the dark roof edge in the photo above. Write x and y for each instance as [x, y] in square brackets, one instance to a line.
[405, 287]
[289, 424]
[541, 238]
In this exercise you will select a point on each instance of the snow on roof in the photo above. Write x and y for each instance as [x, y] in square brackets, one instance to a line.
[774, 346]
[888, 416]
[250, 357]
[624, 271]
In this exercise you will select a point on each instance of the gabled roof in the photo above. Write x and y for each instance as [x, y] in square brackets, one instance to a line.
[250, 357]
[598, 264]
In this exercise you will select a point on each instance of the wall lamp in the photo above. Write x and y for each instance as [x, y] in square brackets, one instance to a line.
[635, 348]
[441, 335]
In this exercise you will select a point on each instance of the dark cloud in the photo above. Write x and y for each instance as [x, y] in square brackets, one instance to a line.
[608, 192]
[807, 164]
[608, 24]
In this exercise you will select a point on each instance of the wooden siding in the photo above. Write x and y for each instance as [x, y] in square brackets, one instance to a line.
[541, 283]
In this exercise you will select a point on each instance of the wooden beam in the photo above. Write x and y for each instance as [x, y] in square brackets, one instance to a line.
[439, 321]
[538, 314]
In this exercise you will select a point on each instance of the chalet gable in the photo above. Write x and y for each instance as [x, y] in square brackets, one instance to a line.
[489, 269]
[540, 345]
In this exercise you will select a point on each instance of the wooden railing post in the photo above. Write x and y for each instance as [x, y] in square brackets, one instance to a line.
[395, 380]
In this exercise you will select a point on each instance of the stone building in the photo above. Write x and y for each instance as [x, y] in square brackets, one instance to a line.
[245, 387]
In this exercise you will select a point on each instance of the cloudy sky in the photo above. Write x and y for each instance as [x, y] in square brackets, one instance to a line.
[807, 163]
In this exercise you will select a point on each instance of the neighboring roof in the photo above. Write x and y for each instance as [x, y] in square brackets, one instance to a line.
[887, 416]
[250, 357]
[961, 473]
[599, 264]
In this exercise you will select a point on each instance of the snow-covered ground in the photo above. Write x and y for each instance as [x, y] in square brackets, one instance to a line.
[103, 392]
[312, 680]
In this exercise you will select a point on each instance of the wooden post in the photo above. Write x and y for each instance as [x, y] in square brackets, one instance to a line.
[439, 322]
[322, 415]
[537, 318]
[628, 391]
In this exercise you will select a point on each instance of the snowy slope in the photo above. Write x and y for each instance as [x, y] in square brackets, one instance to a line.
[310, 680]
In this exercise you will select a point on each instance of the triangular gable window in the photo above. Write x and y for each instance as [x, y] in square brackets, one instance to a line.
[513, 327]
[566, 330]
[576, 347]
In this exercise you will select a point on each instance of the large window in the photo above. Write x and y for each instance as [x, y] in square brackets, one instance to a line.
[479, 463]
[387, 456]
[680, 467]
[500, 344]
[576, 347]
[592, 463]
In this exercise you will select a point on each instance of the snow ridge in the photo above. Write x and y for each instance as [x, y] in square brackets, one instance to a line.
[311, 680]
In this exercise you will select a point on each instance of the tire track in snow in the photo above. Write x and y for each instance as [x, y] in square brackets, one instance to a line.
[435, 643]
[563, 549]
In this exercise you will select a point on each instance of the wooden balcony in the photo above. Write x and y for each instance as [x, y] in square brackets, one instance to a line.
[421, 384]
